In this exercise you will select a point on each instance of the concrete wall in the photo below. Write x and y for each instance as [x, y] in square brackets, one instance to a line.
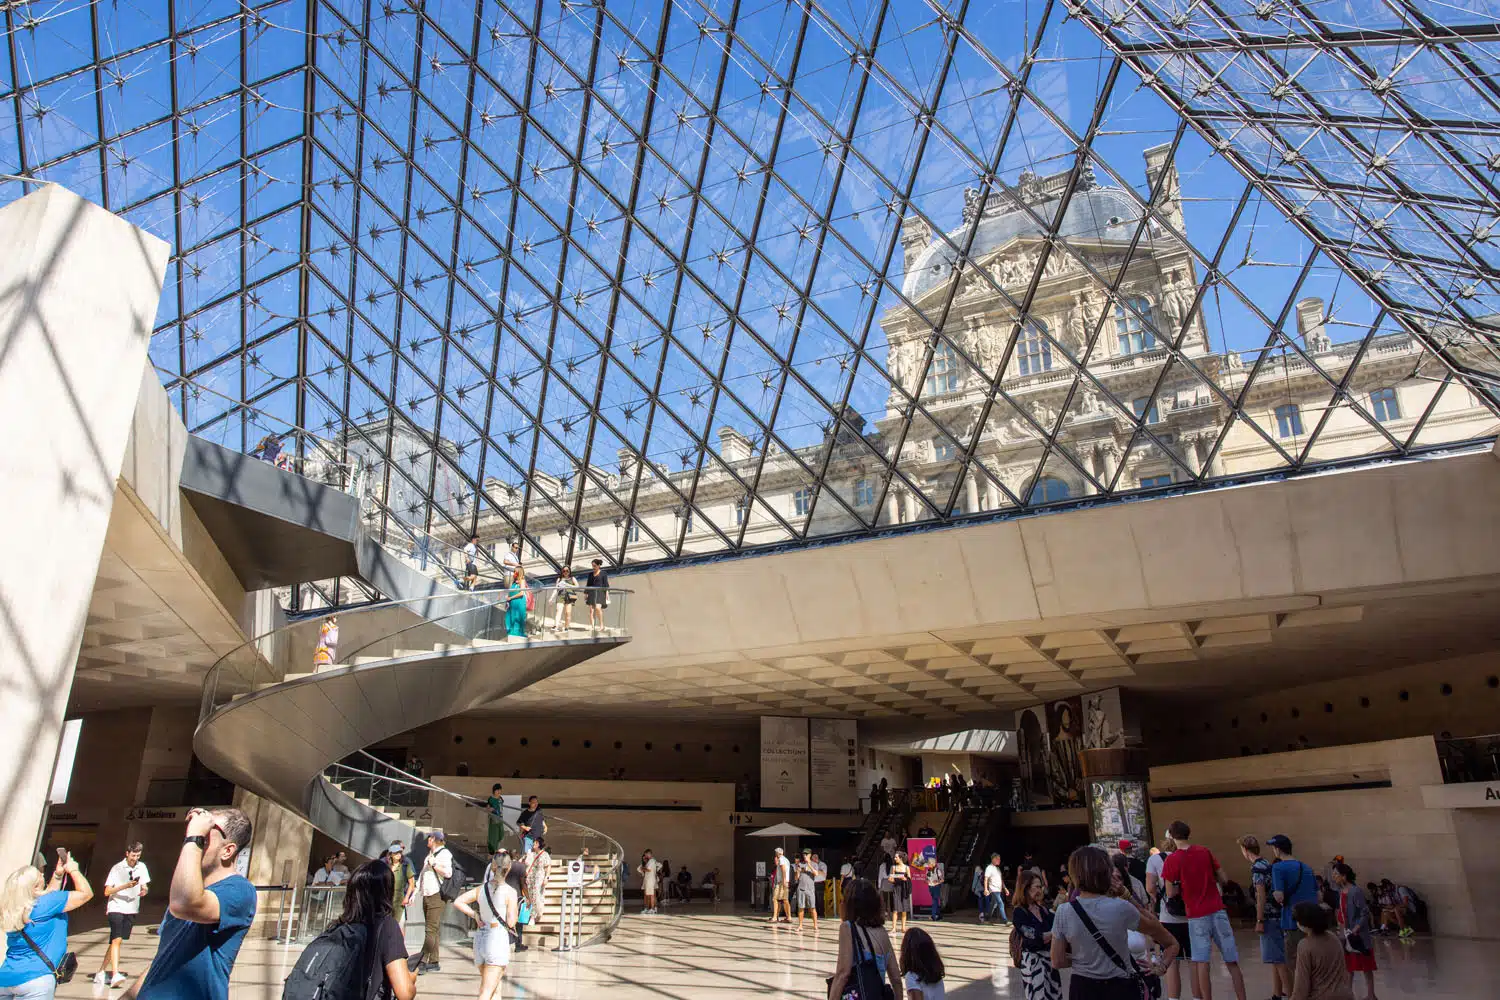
[1381, 832]
[1406, 701]
[681, 821]
[723, 752]
[78, 295]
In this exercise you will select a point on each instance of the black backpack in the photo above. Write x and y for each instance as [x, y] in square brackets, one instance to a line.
[454, 885]
[336, 966]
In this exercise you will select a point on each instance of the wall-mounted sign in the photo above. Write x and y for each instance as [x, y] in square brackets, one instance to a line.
[783, 763]
[834, 763]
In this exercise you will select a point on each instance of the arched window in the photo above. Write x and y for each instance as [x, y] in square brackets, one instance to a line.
[1048, 489]
[1033, 349]
[1134, 325]
[943, 376]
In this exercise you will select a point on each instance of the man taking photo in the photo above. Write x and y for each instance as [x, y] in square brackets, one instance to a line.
[209, 909]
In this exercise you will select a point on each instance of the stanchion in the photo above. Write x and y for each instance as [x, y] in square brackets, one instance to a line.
[570, 916]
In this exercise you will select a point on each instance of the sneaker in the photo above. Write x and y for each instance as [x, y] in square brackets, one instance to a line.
[1407, 932]
[100, 978]
[118, 979]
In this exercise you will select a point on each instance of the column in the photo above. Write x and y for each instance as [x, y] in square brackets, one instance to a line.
[80, 291]
[892, 507]
[1109, 460]
[971, 493]
[1190, 454]
[280, 843]
[1091, 465]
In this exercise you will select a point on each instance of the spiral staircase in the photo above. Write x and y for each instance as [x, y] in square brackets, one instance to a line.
[296, 734]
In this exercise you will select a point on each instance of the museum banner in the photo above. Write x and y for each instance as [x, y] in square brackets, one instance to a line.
[835, 763]
[783, 763]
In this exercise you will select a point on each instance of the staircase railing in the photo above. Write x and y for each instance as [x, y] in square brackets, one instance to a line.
[334, 640]
[467, 821]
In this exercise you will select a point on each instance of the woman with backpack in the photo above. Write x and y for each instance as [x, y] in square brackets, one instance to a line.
[34, 916]
[495, 907]
[362, 955]
[1031, 938]
[866, 958]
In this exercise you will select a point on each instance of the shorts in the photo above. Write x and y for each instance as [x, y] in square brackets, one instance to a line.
[806, 899]
[1184, 941]
[778, 892]
[1210, 930]
[1359, 963]
[120, 925]
[1273, 945]
[470, 569]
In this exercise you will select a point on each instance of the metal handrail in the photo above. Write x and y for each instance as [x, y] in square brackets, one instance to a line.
[267, 659]
[614, 851]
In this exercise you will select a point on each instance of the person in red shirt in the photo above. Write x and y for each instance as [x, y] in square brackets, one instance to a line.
[1193, 873]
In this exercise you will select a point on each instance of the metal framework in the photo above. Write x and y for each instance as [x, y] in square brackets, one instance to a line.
[565, 265]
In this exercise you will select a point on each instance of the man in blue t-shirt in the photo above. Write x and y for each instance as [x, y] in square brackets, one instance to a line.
[1292, 882]
[209, 909]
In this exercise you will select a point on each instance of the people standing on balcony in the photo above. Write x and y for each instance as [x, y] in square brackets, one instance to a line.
[648, 870]
[209, 909]
[437, 866]
[124, 886]
[269, 448]
[34, 915]
[327, 651]
[566, 596]
[496, 832]
[471, 563]
[510, 561]
[596, 594]
[494, 906]
[515, 605]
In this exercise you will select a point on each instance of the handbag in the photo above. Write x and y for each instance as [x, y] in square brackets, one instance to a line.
[1349, 936]
[1015, 945]
[62, 971]
[1149, 982]
[865, 981]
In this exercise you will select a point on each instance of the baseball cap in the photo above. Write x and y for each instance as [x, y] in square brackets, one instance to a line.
[1125, 843]
[780, 851]
[396, 845]
[1280, 841]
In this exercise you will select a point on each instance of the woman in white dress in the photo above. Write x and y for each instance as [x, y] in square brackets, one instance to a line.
[648, 869]
[494, 905]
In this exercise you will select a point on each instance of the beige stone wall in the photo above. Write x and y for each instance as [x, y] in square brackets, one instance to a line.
[726, 751]
[1381, 832]
[1352, 710]
[694, 829]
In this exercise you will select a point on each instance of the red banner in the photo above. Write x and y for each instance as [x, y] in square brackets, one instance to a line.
[922, 852]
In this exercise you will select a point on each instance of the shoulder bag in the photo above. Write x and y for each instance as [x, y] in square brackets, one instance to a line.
[865, 981]
[1149, 983]
[62, 971]
[515, 935]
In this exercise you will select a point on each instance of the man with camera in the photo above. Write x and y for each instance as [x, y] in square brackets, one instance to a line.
[126, 883]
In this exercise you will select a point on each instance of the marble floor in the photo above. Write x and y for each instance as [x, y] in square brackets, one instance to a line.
[701, 953]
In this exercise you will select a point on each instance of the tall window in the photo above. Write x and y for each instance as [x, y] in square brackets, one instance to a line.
[1386, 407]
[1033, 350]
[1133, 322]
[1288, 420]
[943, 449]
[864, 493]
[633, 531]
[1146, 407]
[1048, 489]
[943, 377]
[685, 516]
[802, 501]
[740, 507]
[1149, 481]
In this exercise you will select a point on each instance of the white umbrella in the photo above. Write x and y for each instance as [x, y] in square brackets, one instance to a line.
[782, 830]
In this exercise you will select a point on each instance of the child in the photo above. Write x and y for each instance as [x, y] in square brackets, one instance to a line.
[922, 966]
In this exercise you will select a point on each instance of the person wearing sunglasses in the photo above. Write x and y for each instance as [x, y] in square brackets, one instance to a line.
[209, 909]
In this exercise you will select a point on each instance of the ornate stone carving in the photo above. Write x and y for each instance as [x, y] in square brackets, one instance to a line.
[982, 343]
[973, 204]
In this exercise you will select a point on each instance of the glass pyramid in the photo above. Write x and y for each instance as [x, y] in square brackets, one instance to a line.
[652, 282]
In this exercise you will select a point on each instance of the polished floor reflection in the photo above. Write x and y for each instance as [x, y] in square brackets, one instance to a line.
[700, 954]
